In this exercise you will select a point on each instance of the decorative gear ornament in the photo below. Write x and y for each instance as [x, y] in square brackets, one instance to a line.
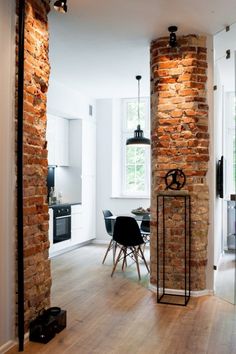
[175, 179]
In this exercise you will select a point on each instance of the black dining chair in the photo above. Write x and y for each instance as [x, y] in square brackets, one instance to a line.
[128, 236]
[145, 228]
[109, 228]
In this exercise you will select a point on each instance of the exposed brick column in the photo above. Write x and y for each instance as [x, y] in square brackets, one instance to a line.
[36, 263]
[180, 137]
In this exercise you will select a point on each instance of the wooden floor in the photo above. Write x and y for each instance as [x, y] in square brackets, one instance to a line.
[120, 315]
[225, 280]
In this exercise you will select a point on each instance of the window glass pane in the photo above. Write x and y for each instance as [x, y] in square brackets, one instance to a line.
[234, 142]
[136, 159]
[140, 177]
[140, 172]
[234, 161]
[140, 187]
[130, 180]
[130, 154]
[140, 155]
[132, 115]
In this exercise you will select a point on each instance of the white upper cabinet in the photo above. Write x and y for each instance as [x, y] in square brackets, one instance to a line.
[58, 140]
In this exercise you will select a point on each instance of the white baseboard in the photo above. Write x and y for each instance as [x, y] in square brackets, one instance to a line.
[69, 249]
[13, 344]
[193, 293]
[7, 346]
[101, 242]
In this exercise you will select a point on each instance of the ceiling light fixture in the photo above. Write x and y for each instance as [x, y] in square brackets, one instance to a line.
[138, 133]
[172, 41]
[60, 6]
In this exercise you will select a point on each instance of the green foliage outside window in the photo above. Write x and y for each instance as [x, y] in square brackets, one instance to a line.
[234, 144]
[137, 158]
[234, 160]
[132, 115]
[135, 169]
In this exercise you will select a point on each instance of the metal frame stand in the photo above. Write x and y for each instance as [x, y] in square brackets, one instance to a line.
[164, 295]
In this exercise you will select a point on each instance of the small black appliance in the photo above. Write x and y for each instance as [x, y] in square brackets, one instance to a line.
[47, 324]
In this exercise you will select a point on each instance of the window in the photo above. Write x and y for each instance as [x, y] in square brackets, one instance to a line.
[136, 159]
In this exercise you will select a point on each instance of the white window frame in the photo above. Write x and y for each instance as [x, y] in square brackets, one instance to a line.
[128, 133]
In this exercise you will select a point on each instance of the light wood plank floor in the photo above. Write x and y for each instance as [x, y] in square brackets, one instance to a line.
[120, 315]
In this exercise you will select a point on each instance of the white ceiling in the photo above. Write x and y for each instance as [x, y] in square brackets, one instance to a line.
[99, 46]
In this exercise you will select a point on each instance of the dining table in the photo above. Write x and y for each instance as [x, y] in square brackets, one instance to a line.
[137, 217]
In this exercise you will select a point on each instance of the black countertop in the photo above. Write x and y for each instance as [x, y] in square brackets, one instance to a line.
[62, 204]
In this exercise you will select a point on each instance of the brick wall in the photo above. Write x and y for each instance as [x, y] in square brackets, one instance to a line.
[180, 139]
[37, 69]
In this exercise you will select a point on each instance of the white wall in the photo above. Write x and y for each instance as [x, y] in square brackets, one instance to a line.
[106, 111]
[65, 102]
[68, 183]
[7, 170]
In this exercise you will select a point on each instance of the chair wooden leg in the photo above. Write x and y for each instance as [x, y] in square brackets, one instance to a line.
[135, 252]
[144, 247]
[117, 260]
[108, 249]
[142, 255]
[114, 251]
[124, 260]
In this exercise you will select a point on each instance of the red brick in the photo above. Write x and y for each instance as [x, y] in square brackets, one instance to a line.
[188, 147]
[36, 78]
[168, 64]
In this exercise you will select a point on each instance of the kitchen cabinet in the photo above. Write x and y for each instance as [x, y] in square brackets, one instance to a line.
[80, 177]
[50, 231]
[82, 223]
[88, 198]
[77, 225]
[81, 231]
[57, 136]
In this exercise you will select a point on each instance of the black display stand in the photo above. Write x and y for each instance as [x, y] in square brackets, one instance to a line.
[168, 202]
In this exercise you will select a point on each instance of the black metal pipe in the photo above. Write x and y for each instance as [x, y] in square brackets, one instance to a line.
[158, 254]
[20, 238]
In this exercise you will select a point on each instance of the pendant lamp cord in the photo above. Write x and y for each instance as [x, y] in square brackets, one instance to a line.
[138, 78]
[138, 101]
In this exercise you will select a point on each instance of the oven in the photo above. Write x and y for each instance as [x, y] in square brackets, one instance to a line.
[61, 223]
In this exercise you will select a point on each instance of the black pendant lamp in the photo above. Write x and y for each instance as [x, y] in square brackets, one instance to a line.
[173, 41]
[60, 6]
[138, 138]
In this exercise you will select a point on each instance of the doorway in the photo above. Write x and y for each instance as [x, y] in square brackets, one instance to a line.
[225, 158]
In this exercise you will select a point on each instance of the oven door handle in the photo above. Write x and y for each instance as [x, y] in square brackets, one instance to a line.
[62, 217]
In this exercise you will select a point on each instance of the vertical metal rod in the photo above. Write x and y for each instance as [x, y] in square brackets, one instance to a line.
[20, 239]
[164, 245]
[158, 253]
[185, 248]
[139, 101]
[190, 236]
